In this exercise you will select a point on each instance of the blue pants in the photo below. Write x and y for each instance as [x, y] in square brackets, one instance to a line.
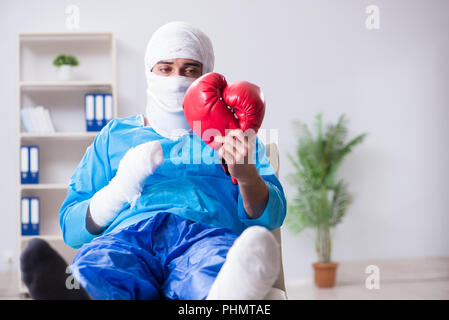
[163, 257]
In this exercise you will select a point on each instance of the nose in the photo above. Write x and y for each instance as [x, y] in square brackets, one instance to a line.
[177, 72]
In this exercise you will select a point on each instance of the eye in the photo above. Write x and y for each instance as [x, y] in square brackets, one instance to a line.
[191, 71]
[164, 69]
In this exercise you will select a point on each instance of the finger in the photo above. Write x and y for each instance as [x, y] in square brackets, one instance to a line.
[229, 148]
[239, 155]
[236, 138]
[227, 156]
[236, 134]
[218, 138]
[232, 142]
[240, 133]
[243, 147]
[237, 141]
[245, 138]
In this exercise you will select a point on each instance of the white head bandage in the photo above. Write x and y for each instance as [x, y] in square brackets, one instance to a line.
[165, 94]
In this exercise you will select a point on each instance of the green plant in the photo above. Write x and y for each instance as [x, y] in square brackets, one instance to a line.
[321, 199]
[64, 59]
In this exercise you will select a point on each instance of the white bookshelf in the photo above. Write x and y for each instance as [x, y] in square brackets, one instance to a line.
[44, 186]
[58, 135]
[66, 84]
[60, 152]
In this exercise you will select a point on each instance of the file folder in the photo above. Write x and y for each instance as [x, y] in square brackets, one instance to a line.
[25, 216]
[89, 105]
[99, 111]
[34, 216]
[34, 164]
[107, 108]
[24, 164]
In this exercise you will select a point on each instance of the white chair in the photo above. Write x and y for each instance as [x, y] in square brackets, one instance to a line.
[279, 292]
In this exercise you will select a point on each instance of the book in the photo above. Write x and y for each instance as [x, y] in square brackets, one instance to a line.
[36, 120]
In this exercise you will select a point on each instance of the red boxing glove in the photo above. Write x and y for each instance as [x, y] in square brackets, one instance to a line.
[211, 106]
[210, 103]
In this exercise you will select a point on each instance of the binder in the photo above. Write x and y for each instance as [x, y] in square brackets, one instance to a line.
[107, 107]
[99, 111]
[89, 105]
[30, 216]
[34, 215]
[25, 216]
[34, 164]
[24, 165]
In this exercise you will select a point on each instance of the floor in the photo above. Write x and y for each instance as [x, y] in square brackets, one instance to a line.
[9, 286]
[406, 279]
[398, 279]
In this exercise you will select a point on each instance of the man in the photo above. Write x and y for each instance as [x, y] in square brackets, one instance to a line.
[152, 223]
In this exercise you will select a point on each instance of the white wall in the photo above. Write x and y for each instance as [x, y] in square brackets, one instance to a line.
[308, 56]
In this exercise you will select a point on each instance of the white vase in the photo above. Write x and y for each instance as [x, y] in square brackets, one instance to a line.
[65, 72]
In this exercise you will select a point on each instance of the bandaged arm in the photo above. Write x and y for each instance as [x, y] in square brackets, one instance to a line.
[92, 175]
[125, 188]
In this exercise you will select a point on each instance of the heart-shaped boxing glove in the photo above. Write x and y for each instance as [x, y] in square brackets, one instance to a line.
[211, 106]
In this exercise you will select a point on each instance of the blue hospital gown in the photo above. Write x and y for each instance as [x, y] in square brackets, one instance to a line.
[183, 185]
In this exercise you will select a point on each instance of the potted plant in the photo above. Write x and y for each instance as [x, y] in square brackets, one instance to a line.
[65, 63]
[321, 199]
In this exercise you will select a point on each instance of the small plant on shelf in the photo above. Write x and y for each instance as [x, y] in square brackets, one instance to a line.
[65, 59]
[65, 63]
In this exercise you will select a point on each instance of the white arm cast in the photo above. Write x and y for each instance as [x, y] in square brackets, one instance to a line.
[126, 187]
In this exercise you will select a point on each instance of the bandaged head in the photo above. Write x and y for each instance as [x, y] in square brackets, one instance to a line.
[165, 94]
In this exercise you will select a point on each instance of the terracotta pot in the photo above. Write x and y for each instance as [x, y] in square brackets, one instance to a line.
[325, 274]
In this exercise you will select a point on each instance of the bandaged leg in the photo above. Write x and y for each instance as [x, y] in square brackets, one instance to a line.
[251, 268]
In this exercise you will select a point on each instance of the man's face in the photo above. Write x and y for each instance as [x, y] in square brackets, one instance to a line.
[178, 67]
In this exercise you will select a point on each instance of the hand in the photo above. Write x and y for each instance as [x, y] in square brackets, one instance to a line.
[139, 162]
[238, 151]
